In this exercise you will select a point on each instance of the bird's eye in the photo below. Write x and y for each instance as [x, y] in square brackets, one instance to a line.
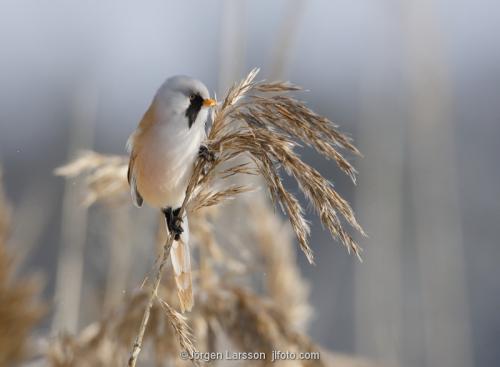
[192, 97]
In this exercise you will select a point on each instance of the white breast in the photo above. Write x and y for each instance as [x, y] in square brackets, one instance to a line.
[165, 161]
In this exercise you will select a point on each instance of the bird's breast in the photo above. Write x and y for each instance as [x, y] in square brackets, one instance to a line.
[164, 165]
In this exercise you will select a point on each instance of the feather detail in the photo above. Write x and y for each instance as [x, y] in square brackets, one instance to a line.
[134, 193]
[136, 196]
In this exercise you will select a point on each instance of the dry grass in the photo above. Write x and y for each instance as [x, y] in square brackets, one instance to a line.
[260, 120]
[20, 309]
[283, 282]
[105, 343]
[255, 324]
[263, 124]
[105, 176]
[226, 307]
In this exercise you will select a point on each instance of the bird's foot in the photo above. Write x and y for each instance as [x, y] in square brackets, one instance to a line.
[173, 222]
[206, 154]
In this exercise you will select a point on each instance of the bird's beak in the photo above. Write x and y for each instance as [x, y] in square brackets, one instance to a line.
[209, 102]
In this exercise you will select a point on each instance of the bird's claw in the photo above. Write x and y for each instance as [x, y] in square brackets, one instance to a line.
[176, 229]
[174, 222]
[206, 154]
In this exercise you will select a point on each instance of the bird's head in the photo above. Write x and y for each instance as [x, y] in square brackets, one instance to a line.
[187, 97]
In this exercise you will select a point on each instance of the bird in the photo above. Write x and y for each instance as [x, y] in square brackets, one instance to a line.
[163, 150]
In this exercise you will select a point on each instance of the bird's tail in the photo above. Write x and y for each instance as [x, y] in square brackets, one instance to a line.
[181, 263]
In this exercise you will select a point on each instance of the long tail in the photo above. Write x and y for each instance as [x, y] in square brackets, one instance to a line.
[181, 263]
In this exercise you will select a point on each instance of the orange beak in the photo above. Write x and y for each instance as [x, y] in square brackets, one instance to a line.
[209, 102]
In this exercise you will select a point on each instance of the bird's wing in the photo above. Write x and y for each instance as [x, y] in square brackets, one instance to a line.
[133, 144]
[149, 118]
[181, 264]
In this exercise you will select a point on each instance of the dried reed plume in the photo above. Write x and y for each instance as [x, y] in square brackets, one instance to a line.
[224, 308]
[283, 282]
[20, 310]
[104, 176]
[266, 128]
[105, 343]
[254, 324]
[261, 122]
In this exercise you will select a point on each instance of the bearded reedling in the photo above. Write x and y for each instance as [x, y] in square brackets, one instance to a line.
[163, 150]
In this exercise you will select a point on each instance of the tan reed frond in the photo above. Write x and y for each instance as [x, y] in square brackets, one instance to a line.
[105, 343]
[243, 320]
[182, 330]
[283, 282]
[20, 307]
[232, 97]
[238, 169]
[255, 324]
[208, 198]
[105, 176]
[92, 347]
[202, 227]
[161, 333]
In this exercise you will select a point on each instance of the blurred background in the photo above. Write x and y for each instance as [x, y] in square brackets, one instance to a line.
[415, 83]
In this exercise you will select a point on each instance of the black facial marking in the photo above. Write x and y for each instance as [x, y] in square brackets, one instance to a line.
[194, 108]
